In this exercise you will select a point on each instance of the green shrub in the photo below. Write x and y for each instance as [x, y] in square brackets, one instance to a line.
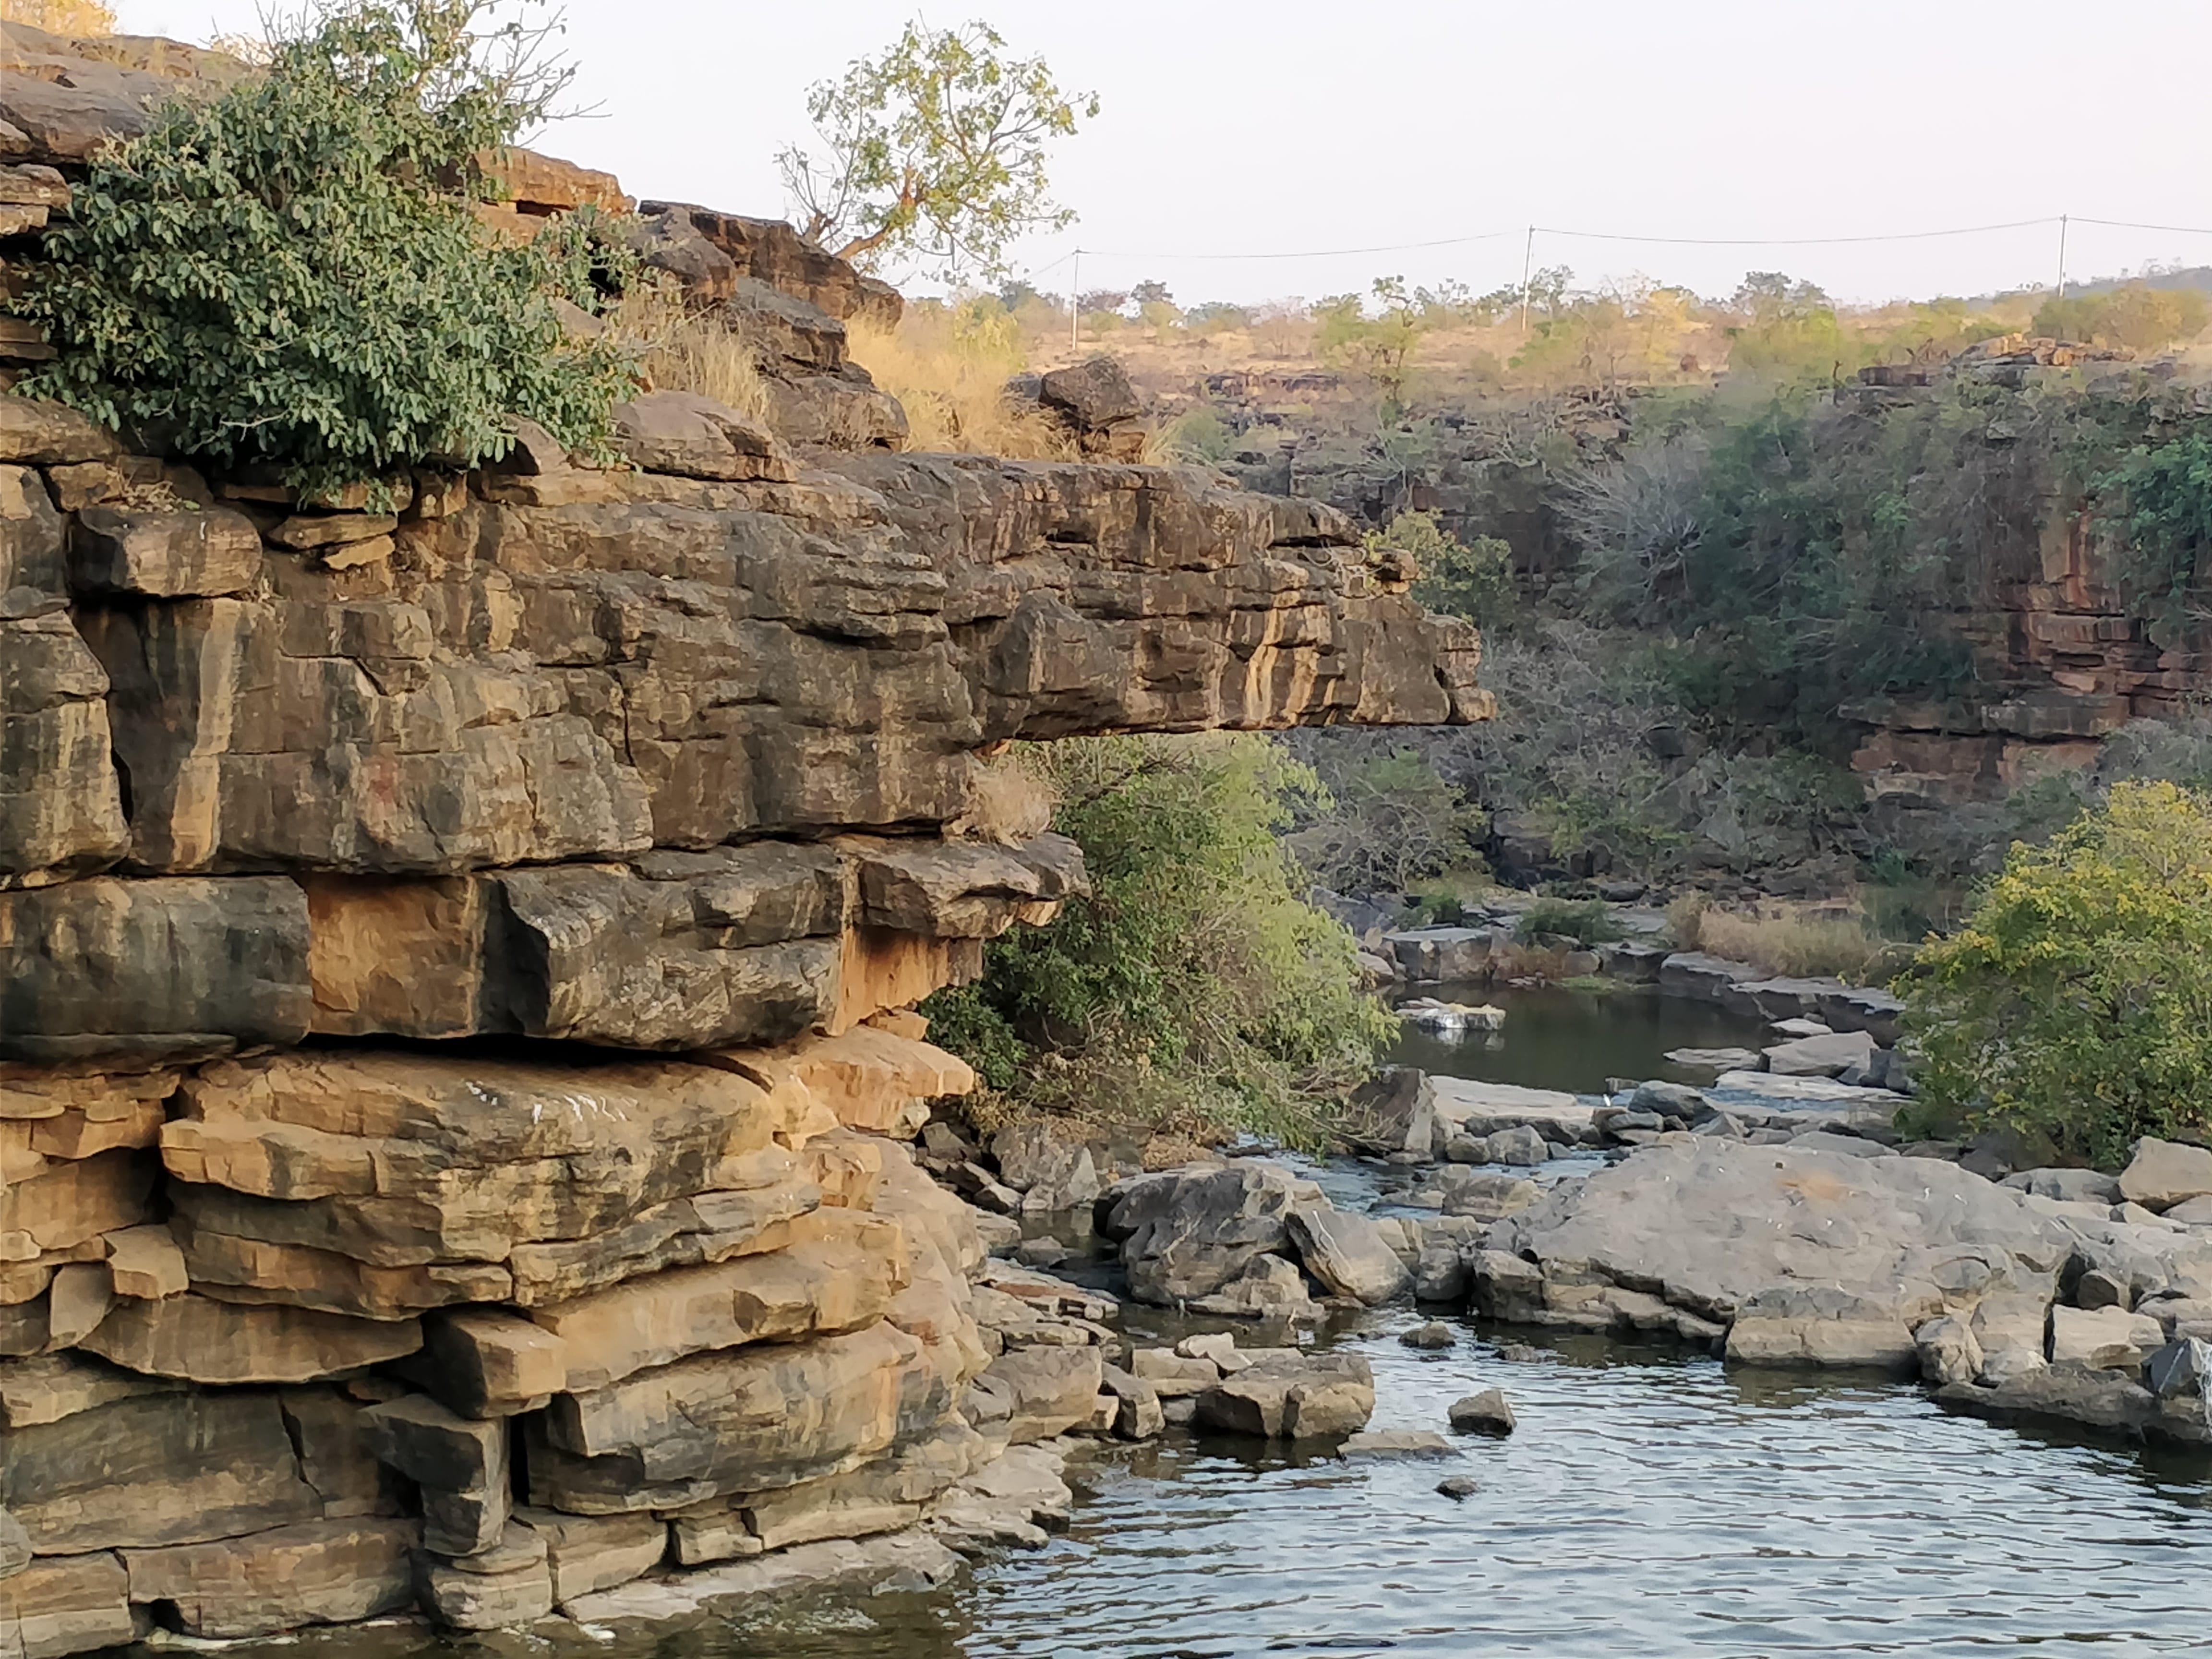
[1195, 989]
[2074, 1006]
[1586, 921]
[290, 273]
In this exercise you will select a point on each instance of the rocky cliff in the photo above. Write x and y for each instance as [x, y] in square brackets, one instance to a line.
[457, 964]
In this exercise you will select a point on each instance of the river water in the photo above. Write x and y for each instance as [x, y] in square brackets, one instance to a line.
[1651, 1504]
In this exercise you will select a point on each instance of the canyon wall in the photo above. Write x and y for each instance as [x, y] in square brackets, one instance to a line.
[459, 950]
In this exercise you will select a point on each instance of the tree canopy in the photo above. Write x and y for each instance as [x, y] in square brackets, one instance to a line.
[933, 149]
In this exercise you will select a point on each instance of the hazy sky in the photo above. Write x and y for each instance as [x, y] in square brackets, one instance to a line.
[1297, 126]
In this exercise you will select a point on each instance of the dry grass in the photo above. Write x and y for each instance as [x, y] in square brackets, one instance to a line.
[1788, 940]
[1007, 803]
[684, 350]
[952, 382]
[72, 17]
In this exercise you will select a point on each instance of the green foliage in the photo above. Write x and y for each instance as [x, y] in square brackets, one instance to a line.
[1474, 581]
[1194, 988]
[1385, 823]
[1200, 434]
[1379, 345]
[935, 150]
[1791, 329]
[2075, 1003]
[277, 275]
[2146, 460]
[2135, 315]
[1587, 922]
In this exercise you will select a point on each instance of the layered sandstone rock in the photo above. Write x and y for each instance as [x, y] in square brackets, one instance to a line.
[458, 947]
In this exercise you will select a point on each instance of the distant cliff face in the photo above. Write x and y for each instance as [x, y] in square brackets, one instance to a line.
[457, 963]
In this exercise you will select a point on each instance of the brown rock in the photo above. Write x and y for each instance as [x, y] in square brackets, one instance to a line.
[459, 1463]
[61, 809]
[169, 966]
[47, 1387]
[808, 1290]
[588, 1552]
[475, 1601]
[65, 1604]
[73, 1201]
[118, 551]
[79, 1298]
[203, 1340]
[752, 1419]
[319, 1572]
[695, 437]
[36, 434]
[312, 531]
[155, 1469]
[329, 1433]
[145, 1263]
[485, 1362]
[1052, 1389]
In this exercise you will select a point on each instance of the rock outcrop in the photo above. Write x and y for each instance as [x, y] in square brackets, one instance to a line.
[458, 957]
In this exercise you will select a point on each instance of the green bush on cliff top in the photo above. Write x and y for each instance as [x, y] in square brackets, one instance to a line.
[290, 272]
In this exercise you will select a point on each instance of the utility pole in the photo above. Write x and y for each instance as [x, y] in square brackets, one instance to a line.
[2061, 256]
[1527, 261]
[1075, 304]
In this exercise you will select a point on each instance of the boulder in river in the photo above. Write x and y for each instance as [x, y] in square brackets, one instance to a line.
[1488, 1413]
[1190, 1233]
[1347, 1252]
[2165, 1173]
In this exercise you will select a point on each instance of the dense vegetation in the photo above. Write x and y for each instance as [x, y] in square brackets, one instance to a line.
[1195, 989]
[2074, 1006]
[290, 272]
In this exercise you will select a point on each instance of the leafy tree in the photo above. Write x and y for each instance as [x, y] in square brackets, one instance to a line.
[934, 149]
[2075, 1003]
[1790, 328]
[1380, 344]
[1151, 293]
[1474, 581]
[278, 275]
[1195, 988]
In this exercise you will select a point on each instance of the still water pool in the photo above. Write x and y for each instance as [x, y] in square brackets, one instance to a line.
[1649, 1505]
[1557, 1038]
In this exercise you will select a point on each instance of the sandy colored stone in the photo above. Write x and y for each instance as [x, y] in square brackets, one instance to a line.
[43, 1389]
[1052, 1389]
[248, 1270]
[407, 1159]
[329, 1433]
[203, 1340]
[822, 1289]
[474, 1600]
[752, 1419]
[880, 969]
[587, 1553]
[488, 1361]
[145, 1264]
[118, 552]
[65, 1604]
[73, 1200]
[875, 1081]
[319, 1572]
[401, 956]
[80, 1298]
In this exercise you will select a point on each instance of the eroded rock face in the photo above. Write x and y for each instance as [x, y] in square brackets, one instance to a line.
[459, 949]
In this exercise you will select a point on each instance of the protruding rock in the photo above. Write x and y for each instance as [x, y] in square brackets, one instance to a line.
[119, 552]
[1488, 1413]
[2165, 1173]
[1347, 1252]
[318, 1572]
[203, 1340]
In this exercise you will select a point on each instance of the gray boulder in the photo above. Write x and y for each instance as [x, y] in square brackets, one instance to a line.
[1347, 1254]
[1195, 1233]
[1521, 1147]
[1488, 1413]
[2165, 1173]
[1822, 1056]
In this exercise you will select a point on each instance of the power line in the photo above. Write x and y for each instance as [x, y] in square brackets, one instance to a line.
[1802, 241]
[1316, 253]
[2130, 224]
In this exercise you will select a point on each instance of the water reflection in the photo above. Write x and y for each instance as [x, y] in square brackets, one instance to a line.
[1652, 1503]
[1557, 1038]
